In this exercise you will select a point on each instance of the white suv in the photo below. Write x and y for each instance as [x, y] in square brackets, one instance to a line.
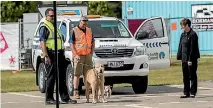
[123, 56]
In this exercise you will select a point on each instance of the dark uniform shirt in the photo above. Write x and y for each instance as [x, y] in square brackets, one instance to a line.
[43, 33]
[72, 36]
[188, 47]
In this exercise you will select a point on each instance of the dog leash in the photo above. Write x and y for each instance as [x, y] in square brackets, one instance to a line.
[88, 66]
[51, 66]
[82, 63]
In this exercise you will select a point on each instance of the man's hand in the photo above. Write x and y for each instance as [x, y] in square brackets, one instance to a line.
[76, 58]
[74, 55]
[189, 63]
[47, 60]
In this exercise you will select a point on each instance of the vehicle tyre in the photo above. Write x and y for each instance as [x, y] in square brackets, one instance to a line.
[69, 79]
[140, 85]
[41, 77]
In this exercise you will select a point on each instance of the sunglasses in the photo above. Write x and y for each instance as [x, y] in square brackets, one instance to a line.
[51, 15]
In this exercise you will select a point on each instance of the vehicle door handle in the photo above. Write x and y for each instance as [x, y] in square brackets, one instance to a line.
[164, 43]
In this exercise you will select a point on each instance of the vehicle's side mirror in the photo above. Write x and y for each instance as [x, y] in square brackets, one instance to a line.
[142, 35]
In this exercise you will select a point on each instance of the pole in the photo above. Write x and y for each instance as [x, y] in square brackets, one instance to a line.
[19, 53]
[56, 54]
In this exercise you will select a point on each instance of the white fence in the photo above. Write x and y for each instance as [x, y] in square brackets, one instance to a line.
[9, 53]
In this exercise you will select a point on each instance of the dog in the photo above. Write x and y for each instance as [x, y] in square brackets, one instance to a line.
[94, 79]
[107, 92]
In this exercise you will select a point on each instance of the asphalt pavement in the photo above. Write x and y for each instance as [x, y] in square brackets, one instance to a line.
[155, 97]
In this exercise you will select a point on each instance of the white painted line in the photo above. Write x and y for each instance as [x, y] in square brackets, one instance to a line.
[27, 95]
[21, 102]
[151, 96]
[178, 86]
[103, 105]
[174, 95]
[202, 101]
[133, 105]
[171, 103]
[109, 105]
[185, 102]
[206, 94]
[137, 106]
[36, 101]
[205, 88]
[181, 86]
[9, 102]
[177, 102]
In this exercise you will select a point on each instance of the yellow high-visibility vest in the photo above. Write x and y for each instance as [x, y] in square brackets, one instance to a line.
[50, 44]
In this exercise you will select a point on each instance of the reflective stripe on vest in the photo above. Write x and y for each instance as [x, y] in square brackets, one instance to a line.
[50, 43]
[83, 41]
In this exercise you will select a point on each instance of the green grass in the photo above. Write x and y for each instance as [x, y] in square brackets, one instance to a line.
[173, 75]
[25, 80]
[18, 82]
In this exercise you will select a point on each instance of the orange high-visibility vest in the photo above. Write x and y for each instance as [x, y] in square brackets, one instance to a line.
[83, 42]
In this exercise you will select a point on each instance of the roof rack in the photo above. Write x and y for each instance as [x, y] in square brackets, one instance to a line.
[68, 13]
[93, 16]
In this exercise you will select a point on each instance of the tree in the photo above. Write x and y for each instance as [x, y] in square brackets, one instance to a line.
[11, 11]
[104, 8]
[116, 6]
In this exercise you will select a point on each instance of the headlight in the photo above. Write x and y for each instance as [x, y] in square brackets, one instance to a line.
[139, 51]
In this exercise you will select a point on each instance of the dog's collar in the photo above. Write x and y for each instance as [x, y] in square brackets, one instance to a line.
[96, 73]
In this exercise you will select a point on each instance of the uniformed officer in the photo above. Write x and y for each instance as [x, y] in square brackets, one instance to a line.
[82, 44]
[47, 44]
[188, 53]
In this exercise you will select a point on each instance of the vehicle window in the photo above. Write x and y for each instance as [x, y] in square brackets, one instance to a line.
[106, 29]
[37, 32]
[153, 28]
[64, 30]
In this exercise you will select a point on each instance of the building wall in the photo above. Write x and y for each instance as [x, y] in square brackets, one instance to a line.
[30, 22]
[175, 11]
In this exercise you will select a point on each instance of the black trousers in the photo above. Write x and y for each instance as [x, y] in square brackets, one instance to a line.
[190, 74]
[51, 77]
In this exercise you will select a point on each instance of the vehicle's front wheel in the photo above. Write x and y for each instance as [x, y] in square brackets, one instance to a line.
[41, 77]
[69, 79]
[140, 85]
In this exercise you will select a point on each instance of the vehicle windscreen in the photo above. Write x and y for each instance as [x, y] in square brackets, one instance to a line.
[106, 29]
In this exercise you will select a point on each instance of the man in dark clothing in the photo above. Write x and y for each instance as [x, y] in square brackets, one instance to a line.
[188, 53]
[46, 34]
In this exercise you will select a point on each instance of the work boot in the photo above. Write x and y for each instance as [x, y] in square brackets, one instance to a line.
[68, 101]
[76, 95]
